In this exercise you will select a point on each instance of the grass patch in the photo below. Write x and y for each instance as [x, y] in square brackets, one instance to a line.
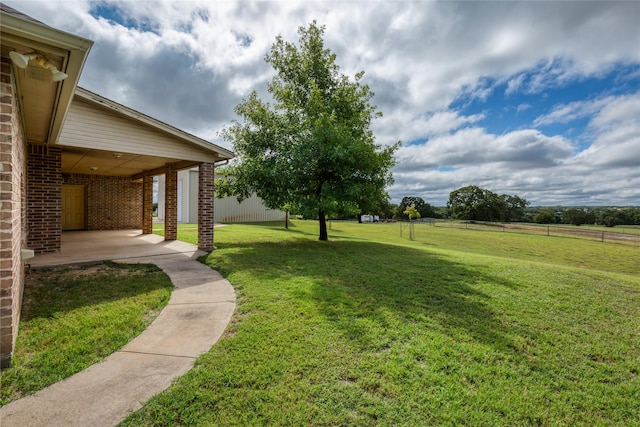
[610, 257]
[75, 316]
[458, 327]
[629, 229]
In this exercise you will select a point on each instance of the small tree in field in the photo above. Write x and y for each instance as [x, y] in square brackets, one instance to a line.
[313, 148]
[412, 213]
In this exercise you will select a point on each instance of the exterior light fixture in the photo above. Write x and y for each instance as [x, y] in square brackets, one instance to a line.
[58, 75]
[93, 168]
[22, 60]
[19, 59]
[117, 155]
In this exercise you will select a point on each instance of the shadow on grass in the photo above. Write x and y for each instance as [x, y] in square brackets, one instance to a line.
[52, 290]
[356, 284]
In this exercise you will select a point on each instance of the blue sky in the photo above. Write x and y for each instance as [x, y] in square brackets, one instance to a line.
[507, 108]
[536, 99]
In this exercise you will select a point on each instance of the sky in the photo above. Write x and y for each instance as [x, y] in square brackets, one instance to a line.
[539, 99]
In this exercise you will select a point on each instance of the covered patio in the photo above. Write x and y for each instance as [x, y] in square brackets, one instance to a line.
[108, 155]
[114, 245]
[74, 160]
[90, 198]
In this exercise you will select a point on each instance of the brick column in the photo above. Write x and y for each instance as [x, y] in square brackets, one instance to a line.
[44, 193]
[205, 206]
[170, 204]
[147, 204]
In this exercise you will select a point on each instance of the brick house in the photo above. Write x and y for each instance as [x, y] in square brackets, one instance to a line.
[73, 160]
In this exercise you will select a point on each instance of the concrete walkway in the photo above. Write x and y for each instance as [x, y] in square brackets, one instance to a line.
[198, 312]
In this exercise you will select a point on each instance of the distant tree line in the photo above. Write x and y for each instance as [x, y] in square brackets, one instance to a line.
[466, 203]
[473, 203]
[607, 216]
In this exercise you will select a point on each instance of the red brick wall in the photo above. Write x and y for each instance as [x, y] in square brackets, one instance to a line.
[147, 204]
[113, 202]
[44, 191]
[206, 198]
[170, 204]
[12, 213]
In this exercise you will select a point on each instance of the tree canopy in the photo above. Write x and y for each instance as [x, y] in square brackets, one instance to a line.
[545, 216]
[313, 149]
[479, 204]
[411, 212]
[424, 209]
[618, 216]
[577, 216]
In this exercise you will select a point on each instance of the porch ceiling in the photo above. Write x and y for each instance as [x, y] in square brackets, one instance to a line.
[102, 162]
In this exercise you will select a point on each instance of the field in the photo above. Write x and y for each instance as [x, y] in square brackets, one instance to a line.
[626, 234]
[455, 327]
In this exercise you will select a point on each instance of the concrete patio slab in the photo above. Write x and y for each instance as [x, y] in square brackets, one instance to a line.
[87, 246]
[196, 316]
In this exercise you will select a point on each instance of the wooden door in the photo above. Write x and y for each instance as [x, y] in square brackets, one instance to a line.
[73, 212]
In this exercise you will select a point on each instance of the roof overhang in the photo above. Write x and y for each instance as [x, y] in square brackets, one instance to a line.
[43, 102]
[180, 135]
[103, 137]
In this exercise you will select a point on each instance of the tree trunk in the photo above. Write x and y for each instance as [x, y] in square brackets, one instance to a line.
[286, 220]
[360, 218]
[323, 225]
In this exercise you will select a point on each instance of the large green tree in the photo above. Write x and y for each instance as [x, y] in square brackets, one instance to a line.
[475, 203]
[513, 208]
[578, 216]
[313, 149]
[480, 204]
[545, 216]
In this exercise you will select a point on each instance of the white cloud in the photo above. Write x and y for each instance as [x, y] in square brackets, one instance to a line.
[514, 84]
[616, 135]
[572, 111]
[616, 111]
[535, 166]
[473, 146]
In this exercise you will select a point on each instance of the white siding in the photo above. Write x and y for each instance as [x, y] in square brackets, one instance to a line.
[88, 126]
[180, 210]
[250, 210]
[226, 210]
[192, 203]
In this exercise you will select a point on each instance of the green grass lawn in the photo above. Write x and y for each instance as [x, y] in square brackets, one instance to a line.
[458, 327]
[75, 316]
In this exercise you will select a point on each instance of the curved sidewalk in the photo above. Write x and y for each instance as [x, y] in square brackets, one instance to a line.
[197, 314]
